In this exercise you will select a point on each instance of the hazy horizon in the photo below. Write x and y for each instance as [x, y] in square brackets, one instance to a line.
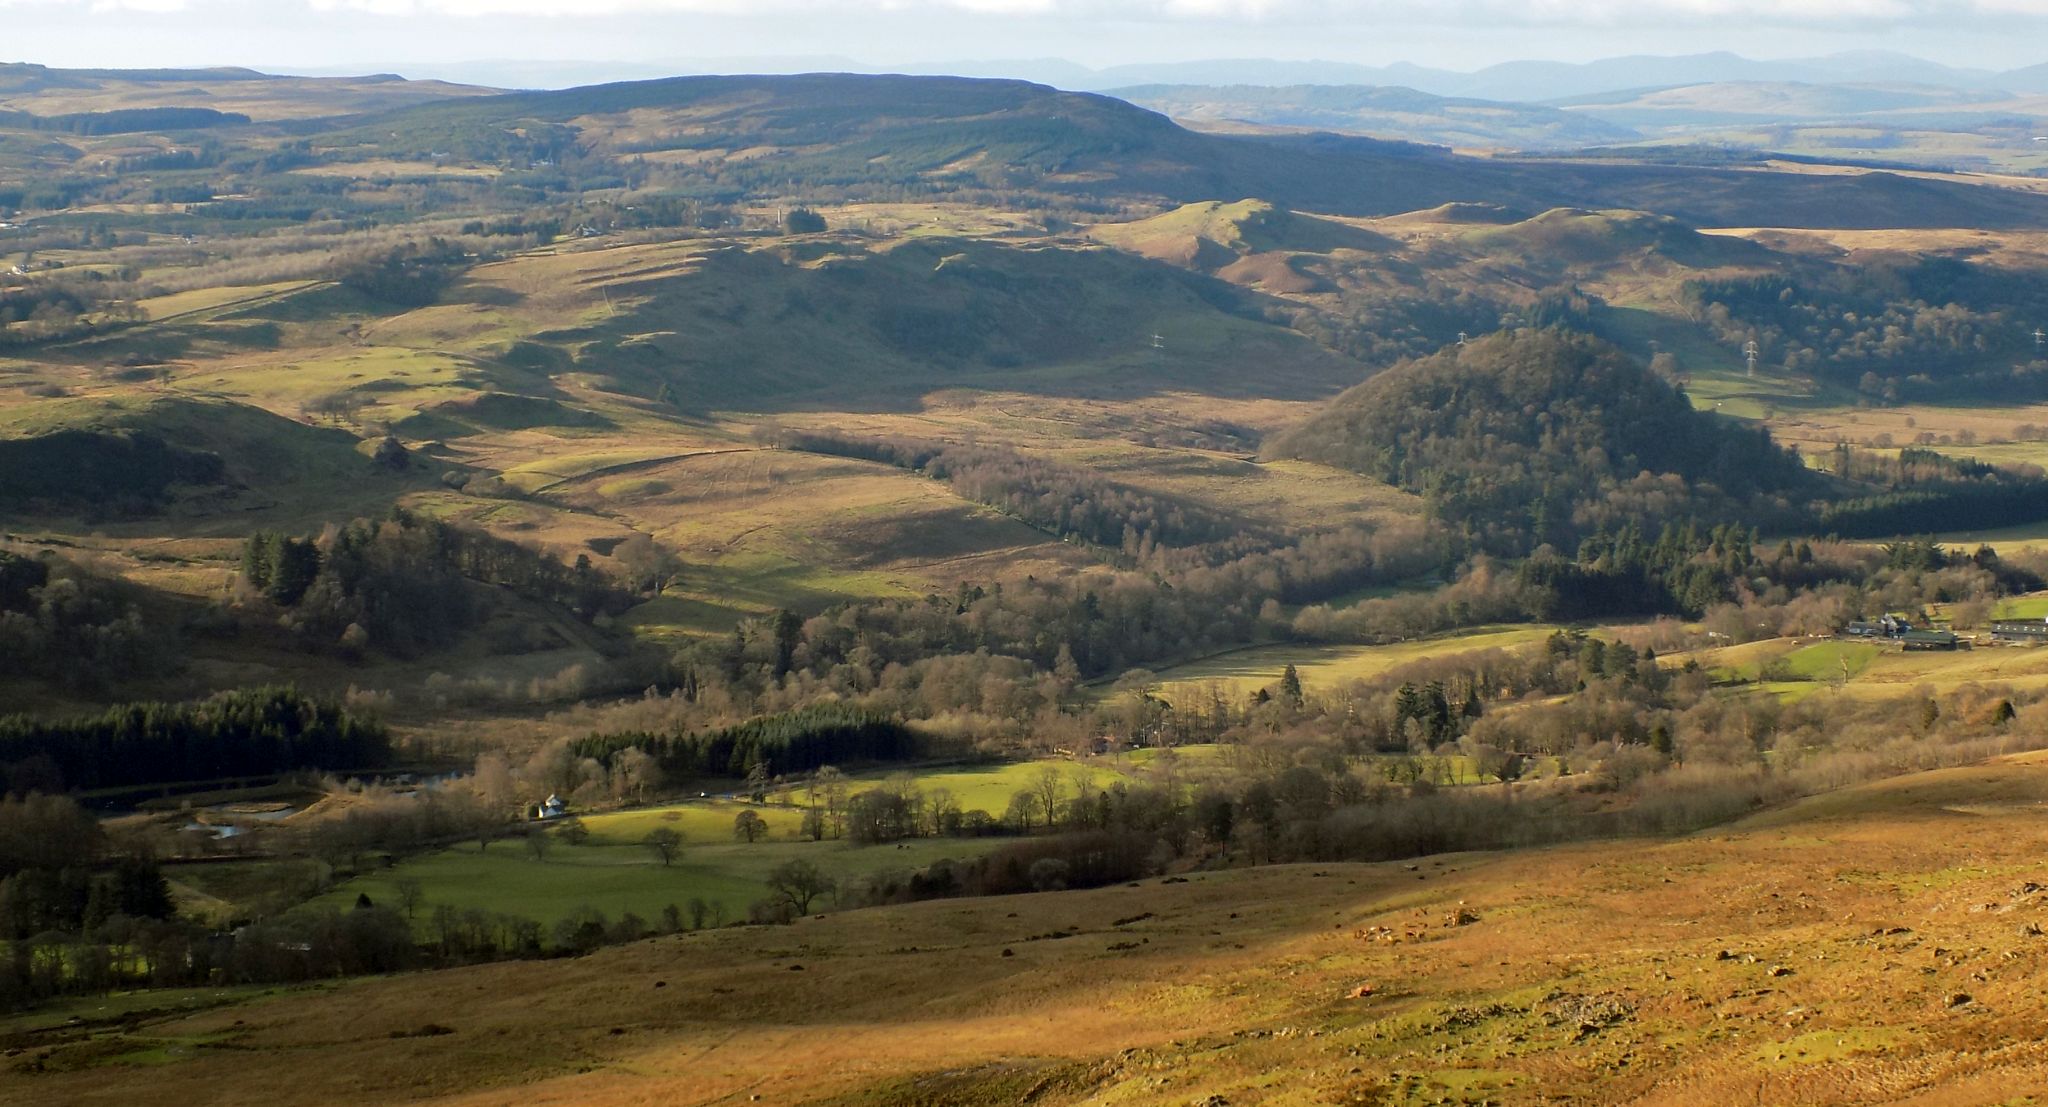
[426, 38]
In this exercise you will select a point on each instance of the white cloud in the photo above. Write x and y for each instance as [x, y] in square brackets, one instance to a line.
[103, 5]
[1864, 14]
[1336, 11]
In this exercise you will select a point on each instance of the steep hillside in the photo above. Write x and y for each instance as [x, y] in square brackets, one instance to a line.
[766, 329]
[1875, 945]
[1213, 235]
[139, 456]
[1516, 434]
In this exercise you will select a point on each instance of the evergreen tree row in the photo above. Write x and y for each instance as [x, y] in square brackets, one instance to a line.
[792, 742]
[243, 733]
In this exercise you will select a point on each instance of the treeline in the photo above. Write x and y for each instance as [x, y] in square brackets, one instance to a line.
[1684, 572]
[1064, 501]
[1417, 322]
[1523, 437]
[1635, 749]
[82, 913]
[410, 274]
[1003, 664]
[399, 584]
[45, 311]
[1079, 626]
[1920, 491]
[1898, 330]
[63, 624]
[234, 734]
[775, 745]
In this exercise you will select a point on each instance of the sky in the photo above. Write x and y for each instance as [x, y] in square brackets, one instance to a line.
[637, 37]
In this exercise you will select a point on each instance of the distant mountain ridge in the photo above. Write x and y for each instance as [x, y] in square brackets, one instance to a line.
[1388, 112]
[1528, 81]
[1524, 81]
[851, 132]
[1535, 81]
[856, 137]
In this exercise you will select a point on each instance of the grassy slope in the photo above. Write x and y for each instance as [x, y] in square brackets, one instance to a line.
[1323, 668]
[1597, 971]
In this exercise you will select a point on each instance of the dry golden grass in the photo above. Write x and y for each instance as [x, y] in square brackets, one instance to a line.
[1811, 955]
[375, 168]
[1325, 669]
[1985, 432]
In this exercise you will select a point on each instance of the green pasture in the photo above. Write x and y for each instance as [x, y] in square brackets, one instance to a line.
[614, 873]
[705, 821]
[1830, 660]
[2022, 607]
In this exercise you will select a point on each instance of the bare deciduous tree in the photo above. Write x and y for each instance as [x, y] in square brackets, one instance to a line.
[666, 842]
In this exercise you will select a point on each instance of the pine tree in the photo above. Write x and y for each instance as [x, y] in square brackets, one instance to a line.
[296, 567]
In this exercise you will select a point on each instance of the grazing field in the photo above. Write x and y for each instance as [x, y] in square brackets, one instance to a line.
[616, 874]
[2022, 607]
[1796, 669]
[614, 871]
[1825, 661]
[1869, 945]
[1324, 668]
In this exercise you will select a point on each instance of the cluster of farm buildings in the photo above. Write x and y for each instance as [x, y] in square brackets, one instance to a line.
[1897, 629]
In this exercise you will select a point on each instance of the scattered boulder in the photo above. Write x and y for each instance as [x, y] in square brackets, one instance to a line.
[1587, 1015]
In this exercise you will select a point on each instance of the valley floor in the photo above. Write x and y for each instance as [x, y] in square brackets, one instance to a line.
[1876, 945]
